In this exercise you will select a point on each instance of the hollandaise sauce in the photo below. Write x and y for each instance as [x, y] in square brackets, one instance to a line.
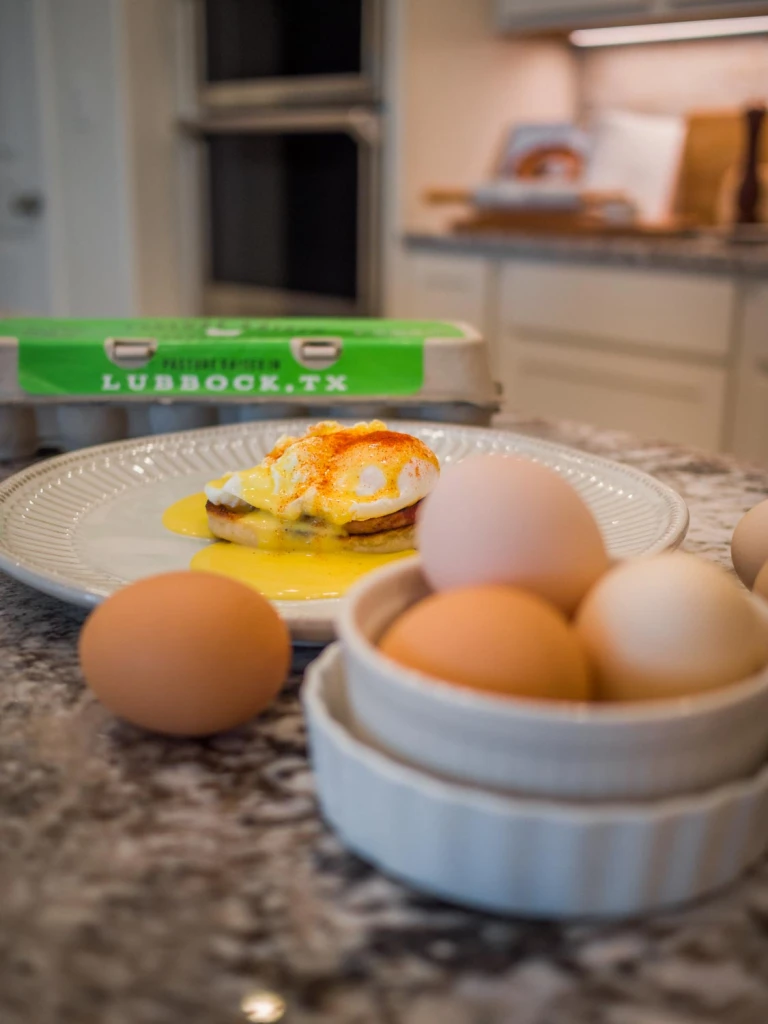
[280, 575]
[290, 575]
[188, 517]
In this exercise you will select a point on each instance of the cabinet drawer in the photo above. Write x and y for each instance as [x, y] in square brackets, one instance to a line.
[686, 313]
[649, 397]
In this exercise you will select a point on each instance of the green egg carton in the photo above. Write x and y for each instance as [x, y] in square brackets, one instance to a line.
[72, 382]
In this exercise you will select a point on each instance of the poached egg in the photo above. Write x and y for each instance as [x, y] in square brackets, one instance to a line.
[334, 474]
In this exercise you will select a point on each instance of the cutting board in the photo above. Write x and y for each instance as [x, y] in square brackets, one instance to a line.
[711, 163]
[589, 220]
[543, 223]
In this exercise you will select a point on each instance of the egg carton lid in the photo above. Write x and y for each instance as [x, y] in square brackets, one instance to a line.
[317, 361]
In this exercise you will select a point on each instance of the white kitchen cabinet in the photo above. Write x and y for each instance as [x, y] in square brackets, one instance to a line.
[637, 350]
[653, 352]
[514, 15]
[715, 8]
[647, 396]
[749, 438]
[447, 287]
[528, 15]
[665, 311]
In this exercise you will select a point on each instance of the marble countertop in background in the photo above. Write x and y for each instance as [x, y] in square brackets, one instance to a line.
[698, 254]
[152, 881]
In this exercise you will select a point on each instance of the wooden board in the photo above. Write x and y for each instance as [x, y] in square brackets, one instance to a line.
[713, 152]
[587, 221]
[441, 195]
[500, 222]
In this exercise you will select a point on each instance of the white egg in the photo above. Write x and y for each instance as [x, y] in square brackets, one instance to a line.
[669, 626]
[503, 519]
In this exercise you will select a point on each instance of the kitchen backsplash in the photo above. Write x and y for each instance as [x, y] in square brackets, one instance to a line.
[463, 87]
[674, 78]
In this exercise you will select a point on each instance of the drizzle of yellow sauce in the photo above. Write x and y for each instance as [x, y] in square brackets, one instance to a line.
[290, 575]
[188, 517]
[313, 572]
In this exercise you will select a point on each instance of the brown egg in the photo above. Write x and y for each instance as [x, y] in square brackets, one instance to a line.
[749, 545]
[185, 653]
[761, 583]
[492, 638]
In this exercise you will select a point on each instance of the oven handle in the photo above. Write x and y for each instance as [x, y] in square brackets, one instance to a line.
[361, 123]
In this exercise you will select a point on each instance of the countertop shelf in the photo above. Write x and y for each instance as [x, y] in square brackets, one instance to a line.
[154, 881]
[705, 253]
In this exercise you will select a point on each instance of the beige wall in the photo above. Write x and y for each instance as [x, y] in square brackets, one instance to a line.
[149, 46]
[90, 214]
[463, 86]
[675, 77]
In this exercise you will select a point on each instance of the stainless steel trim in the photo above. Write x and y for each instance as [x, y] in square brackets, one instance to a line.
[363, 125]
[232, 107]
[200, 29]
[206, 229]
[370, 216]
[309, 90]
[360, 122]
[373, 44]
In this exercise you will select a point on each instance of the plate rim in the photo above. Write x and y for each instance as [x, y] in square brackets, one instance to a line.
[56, 586]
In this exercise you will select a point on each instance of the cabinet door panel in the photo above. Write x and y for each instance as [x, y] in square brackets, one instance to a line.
[716, 6]
[644, 309]
[648, 397]
[512, 14]
[446, 288]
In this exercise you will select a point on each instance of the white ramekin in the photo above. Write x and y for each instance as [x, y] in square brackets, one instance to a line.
[507, 854]
[564, 750]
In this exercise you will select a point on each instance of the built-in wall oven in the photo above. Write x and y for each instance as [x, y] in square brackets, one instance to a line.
[287, 121]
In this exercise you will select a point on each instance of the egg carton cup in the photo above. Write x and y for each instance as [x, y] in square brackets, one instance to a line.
[512, 855]
[68, 426]
[457, 388]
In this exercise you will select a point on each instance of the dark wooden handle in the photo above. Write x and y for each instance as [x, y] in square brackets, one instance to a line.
[749, 193]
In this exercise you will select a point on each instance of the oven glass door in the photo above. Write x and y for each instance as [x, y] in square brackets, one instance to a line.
[291, 221]
[257, 39]
[296, 51]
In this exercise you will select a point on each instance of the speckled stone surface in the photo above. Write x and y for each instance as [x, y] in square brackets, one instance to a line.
[696, 254]
[148, 881]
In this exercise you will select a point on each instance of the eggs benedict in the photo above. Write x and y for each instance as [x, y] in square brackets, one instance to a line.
[337, 488]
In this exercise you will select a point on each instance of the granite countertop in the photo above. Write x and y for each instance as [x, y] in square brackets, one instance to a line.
[151, 881]
[697, 253]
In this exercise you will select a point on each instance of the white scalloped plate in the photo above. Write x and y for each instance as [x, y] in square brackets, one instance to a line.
[82, 525]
